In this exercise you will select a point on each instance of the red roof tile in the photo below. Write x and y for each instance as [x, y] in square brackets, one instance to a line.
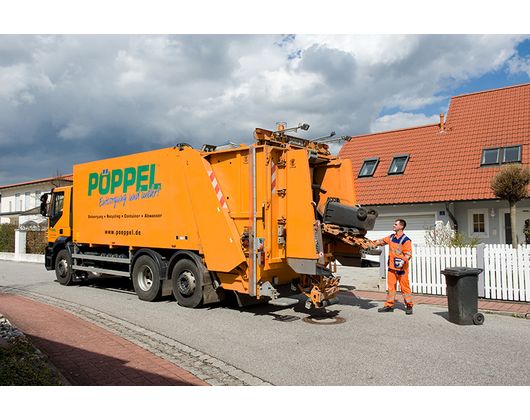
[69, 177]
[444, 165]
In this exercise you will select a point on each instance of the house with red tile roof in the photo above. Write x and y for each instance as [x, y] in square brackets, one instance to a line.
[442, 172]
[21, 202]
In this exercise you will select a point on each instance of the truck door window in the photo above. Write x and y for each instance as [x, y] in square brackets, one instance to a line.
[57, 208]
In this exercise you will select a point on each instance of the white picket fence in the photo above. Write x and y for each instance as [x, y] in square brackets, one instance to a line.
[428, 262]
[507, 272]
[505, 276]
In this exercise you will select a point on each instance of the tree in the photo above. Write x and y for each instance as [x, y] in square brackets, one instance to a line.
[511, 184]
[57, 179]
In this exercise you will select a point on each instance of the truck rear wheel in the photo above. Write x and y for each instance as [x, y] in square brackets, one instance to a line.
[63, 267]
[146, 279]
[186, 280]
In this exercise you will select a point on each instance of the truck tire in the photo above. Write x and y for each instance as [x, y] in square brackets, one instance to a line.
[63, 267]
[146, 279]
[186, 281]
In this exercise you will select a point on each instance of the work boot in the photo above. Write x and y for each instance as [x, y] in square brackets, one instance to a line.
[386, 309]
[408, 311]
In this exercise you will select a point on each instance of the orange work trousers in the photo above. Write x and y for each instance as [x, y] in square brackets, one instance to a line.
[393, 278]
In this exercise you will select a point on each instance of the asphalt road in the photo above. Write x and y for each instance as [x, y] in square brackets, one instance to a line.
[276, 345]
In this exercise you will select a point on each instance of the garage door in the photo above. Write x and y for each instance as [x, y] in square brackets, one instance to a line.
[415, 230]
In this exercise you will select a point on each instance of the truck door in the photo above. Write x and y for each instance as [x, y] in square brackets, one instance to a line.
[59, 223]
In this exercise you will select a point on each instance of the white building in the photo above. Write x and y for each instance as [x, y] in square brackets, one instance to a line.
[21, 202]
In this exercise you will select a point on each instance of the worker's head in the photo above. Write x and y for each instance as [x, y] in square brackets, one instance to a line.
[399, 224]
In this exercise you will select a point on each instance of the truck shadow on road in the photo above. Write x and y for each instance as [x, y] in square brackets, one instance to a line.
[346, 298]
[278, 313]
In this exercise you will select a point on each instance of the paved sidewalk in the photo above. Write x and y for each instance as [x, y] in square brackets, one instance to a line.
[86, 354]
[90, 347]
[509, 308]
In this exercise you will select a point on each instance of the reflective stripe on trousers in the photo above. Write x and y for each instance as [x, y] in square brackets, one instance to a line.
[393, 277]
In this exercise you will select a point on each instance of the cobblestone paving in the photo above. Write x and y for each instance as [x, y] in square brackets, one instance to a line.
[205, 367]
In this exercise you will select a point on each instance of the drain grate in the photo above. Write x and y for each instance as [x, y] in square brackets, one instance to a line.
[324, 320]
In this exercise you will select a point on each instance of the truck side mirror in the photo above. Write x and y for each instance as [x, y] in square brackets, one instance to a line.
[44, 204]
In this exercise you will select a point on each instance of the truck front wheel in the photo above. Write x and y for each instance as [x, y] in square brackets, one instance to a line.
[186, 281]
[63, 267]
[146, 279]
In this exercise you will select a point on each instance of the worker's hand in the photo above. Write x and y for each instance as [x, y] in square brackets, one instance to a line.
[399, 263]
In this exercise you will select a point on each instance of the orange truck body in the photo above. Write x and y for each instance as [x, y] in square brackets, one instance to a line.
[199, 223]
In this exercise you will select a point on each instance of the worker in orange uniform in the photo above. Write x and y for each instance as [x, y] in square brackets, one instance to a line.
[399, 255]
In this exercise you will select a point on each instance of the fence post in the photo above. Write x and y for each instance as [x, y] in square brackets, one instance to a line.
[20, 243]
[480, 264]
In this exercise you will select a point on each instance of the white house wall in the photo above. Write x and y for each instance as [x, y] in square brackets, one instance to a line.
[10, 210]
[495, 211]
[420, 216]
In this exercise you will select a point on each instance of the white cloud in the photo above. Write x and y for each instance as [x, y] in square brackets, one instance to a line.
[75, 131]
[125, 94]
[402, 120]
[17, 81]
[519, 65]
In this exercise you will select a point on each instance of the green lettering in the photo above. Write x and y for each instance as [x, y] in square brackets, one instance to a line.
[117, 178]
[152, 176]
[140, 178]
[92, 183]
[129, 178]
[104, 177]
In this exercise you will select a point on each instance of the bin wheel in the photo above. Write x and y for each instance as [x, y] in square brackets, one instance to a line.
[361, 213]
[478, 318]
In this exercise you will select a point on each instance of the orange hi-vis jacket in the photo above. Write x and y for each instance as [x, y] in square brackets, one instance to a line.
[400, 249]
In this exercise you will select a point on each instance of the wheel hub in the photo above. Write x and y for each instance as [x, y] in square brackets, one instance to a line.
[145, 278]
[62, 268]
[186, 283]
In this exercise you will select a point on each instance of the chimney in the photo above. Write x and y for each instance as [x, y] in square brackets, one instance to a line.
[442, 128]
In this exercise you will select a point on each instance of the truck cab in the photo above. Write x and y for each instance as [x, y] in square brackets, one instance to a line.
[59, 213]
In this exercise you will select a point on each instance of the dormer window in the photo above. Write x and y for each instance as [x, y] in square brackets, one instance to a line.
[368, 168]
[497, 155]
[511, 154]
[490, 156]
[399, 162]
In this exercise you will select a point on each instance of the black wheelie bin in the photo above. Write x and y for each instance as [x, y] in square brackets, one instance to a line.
[462, 295]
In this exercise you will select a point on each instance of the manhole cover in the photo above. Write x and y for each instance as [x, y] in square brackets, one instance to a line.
[324, 320]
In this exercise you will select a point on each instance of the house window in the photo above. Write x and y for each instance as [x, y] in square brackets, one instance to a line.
[18, 202]
[369, 167]
[511, 154]
[38, 193]
[496, 155]
[399, 162]
[490, 156]
[478, 222]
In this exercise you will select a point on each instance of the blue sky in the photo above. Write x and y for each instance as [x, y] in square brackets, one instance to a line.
[68, 99]
[492, 80]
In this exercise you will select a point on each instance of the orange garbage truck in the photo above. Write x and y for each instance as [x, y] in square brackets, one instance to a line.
[263, 222]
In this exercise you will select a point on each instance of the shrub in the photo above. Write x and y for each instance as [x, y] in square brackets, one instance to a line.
[7, 237]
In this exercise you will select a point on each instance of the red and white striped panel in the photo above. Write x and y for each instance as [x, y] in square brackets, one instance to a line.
[217, 189]
[273, 177]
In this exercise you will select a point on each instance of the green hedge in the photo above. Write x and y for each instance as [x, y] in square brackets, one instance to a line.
[7, 237]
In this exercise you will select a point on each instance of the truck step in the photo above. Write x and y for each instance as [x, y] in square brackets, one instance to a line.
[283, 301]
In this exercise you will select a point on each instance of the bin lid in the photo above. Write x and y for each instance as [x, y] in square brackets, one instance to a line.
[462, 271]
